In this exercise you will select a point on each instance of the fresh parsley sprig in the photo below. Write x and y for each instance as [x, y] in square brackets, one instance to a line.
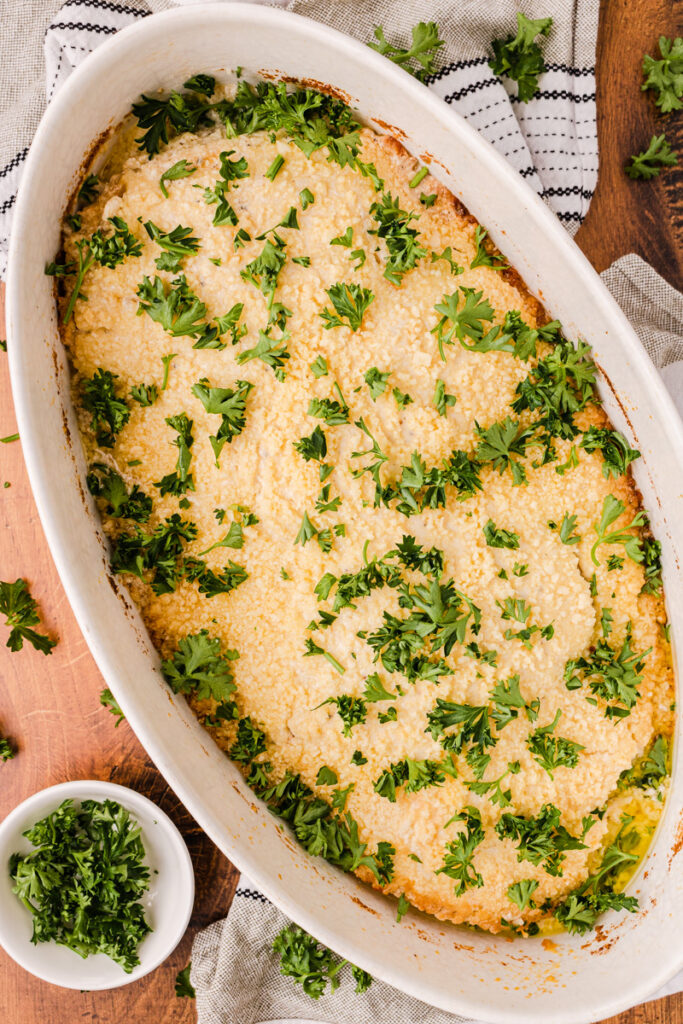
[107, 250]
[649, 162]
[311, 965]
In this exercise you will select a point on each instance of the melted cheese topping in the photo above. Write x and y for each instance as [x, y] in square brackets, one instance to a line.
[266, 617]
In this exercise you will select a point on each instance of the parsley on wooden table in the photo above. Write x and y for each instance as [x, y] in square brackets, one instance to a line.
[83, 881]
[183, 986]
[649, 162]
[21, 615]
[665, 76]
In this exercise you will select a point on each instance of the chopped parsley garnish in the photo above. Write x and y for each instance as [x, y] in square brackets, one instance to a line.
[521, 892]
[402, 399]
[180, 480]
[181, 169]
[560, 385]
[275, 167]
[468, 322]
[616, 452]
[520, 57]
[88, 191]
[567, 527]
[580, 910]
[652, 566]
[234, 538]
[346, 239]
[173, 115]
[330, 410]
[401, 240]
[319, 830]
[650, 771]
[311, 965]
[612, 508]
[540, 839]
[649, 162]
[503, 445]
[428, 200]
[313, 447]
[306, 197]
[108, 251]
[613, 676]
[180, 311]
[350, 302]
[419, 58]
[497, 537]
[263, 272]
[6, 751]
[109, 412]
[665, 76]
[375, 690]
[84, 881]
[411, 776]
[176, 244]
[508, 702]
[553, 752]
[109, 701]
[183, 986]
[442, 400]
[319, 367]
[473, 721]
[326, 777]
[493, 788]
[108, 485]
[351, 710]
[312, 650]
[271, 351]
[21, 615]
[167, 360]
[157, 553]
[458, 860]
[228, 403]
[482, 256]
[230, 170]
[201, 667]
[376, 380]
[144, 394]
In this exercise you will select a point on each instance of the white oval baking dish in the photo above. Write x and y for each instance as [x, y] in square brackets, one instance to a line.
[571, 979]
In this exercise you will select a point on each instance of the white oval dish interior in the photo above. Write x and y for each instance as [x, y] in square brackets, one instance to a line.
[571, 979]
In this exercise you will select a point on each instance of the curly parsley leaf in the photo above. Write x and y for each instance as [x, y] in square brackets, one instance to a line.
[503, 445]
[106, 484]
[550, 751]
[483, 257]
[612, 675]
[107, 250]
[521, 892]
[271, 351]
[176, 244]
[161, 117]
[180, 480]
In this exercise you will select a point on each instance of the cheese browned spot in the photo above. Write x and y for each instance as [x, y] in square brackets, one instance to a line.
[266, 617]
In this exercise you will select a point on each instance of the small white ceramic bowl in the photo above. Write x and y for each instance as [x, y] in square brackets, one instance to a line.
[168, 901]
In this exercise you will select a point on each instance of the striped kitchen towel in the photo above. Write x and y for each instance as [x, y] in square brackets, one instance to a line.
[551, 140]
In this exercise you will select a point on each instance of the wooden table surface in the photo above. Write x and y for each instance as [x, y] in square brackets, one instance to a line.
[50, 706]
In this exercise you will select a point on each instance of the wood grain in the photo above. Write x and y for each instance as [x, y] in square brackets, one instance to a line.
[50, 706]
